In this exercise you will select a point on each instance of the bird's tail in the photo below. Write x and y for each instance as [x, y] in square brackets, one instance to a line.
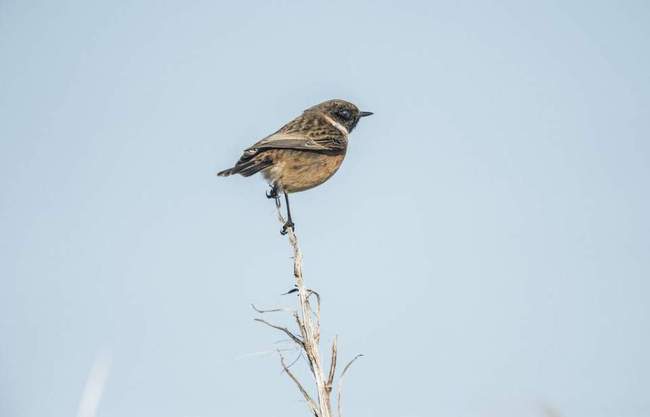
[247, 167]
[227, 172]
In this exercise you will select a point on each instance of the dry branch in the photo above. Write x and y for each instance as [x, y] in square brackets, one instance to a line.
[308, 322]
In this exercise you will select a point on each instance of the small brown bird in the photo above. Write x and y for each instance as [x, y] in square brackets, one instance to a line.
[304, 153]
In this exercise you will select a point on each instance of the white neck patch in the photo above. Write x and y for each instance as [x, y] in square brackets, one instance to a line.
[336, 124]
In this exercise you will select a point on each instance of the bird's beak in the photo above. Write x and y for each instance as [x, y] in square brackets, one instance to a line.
[365, 113]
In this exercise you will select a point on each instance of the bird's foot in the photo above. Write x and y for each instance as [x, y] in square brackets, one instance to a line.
[273, 193]
[287, 225]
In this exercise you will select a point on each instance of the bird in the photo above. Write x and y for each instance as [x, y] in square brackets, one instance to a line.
[303, 153]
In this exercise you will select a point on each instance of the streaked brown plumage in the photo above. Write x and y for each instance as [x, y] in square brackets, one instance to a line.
[304, 153]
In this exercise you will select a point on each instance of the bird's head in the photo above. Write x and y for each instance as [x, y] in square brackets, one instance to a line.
[341, 111]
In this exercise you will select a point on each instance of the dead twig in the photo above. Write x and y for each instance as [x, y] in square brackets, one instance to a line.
[310, 402]
[339, 389]
[330, 377]
[285, 330]
[272, 310]
[293, 362]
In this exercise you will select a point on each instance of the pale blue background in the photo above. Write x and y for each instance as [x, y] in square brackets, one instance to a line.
[485, 243]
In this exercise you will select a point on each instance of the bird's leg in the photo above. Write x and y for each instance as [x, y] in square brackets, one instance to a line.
[274, 194]
[289, 223]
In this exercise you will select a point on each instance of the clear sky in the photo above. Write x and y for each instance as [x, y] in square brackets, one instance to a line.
[485, 244]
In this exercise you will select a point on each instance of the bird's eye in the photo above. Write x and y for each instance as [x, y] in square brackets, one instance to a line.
[345, 114]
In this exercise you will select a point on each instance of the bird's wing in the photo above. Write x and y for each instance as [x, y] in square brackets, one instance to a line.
[296, 141]
[295, 135]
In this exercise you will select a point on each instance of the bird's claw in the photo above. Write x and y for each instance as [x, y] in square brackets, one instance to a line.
[286, 226]
[273, 193]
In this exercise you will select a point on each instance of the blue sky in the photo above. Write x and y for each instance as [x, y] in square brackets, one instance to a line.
[485, 243]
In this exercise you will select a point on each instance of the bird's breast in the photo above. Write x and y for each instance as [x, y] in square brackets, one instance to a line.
[295, 171]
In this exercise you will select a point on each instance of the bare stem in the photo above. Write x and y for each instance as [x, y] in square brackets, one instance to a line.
[308, 322]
